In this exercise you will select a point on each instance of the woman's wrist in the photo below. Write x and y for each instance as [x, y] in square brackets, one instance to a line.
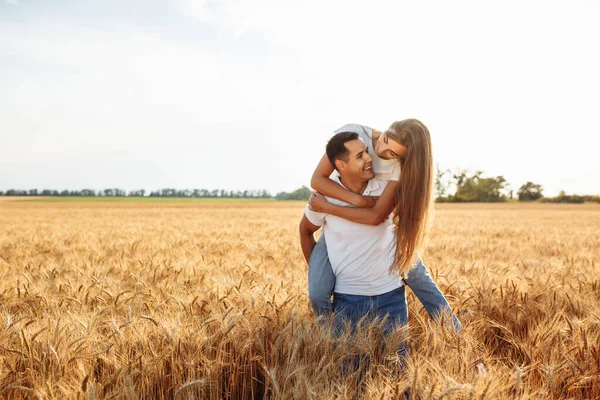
[357, 200]
[326, 207]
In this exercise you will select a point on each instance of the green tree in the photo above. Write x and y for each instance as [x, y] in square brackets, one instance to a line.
[530, 192]
[441, 184]
[476, 188]
[88, 193]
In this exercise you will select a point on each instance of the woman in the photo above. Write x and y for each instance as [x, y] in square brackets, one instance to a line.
[405, 146]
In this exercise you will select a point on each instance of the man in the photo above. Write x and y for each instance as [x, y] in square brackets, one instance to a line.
[360, 254]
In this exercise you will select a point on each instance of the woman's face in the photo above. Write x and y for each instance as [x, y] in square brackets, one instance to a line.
[389, 149]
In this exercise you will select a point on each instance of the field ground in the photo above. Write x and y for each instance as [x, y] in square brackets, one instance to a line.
[197, 299]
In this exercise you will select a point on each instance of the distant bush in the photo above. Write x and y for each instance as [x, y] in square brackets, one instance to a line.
[571, 198]
[592, 199]
[563, 199]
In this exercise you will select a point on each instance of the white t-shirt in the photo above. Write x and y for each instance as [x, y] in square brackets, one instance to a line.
[385, 170]
[360, 254]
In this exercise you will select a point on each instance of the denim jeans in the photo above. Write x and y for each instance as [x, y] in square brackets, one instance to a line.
[351, 308]
[420, 282]
[321, 279]
[321, 282]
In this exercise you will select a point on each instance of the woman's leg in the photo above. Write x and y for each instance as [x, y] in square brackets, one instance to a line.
[321, 279]
[420, 282]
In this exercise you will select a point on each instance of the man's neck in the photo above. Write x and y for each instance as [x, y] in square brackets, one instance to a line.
[357, 186]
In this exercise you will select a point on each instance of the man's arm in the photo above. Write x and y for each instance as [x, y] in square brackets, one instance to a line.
[307, 239]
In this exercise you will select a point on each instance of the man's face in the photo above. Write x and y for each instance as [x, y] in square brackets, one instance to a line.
[360, 163]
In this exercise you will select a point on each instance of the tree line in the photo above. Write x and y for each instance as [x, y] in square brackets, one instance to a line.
[461, 186]
[299, 194]
[169, 192]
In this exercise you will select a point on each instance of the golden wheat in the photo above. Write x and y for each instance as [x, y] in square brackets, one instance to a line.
[208, 300]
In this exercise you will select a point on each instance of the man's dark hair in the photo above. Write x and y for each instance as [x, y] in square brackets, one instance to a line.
[336, 147]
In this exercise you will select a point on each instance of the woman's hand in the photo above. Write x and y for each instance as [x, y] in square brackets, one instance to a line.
[317, 202]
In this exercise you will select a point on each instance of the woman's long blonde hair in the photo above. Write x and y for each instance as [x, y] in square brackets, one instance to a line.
[414, 192]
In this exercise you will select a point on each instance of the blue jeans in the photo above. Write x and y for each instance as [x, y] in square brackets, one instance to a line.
[351, 308]
[321, 282]
[321, 279]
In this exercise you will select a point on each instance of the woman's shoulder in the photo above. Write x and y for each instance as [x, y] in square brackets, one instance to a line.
[356, 128]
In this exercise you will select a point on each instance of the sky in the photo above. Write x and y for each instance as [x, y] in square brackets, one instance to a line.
[239, 94]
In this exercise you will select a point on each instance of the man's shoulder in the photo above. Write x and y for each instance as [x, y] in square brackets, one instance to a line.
[315, 218]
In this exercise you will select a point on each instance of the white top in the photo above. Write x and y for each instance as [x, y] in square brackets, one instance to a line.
[385, 170]
[360, 254]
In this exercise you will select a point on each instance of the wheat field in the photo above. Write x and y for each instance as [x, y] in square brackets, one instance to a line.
[208, 300]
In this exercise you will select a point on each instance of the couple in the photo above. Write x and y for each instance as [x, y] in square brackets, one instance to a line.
[365, 256]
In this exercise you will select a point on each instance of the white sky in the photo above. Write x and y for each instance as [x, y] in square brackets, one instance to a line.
[240, 94]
